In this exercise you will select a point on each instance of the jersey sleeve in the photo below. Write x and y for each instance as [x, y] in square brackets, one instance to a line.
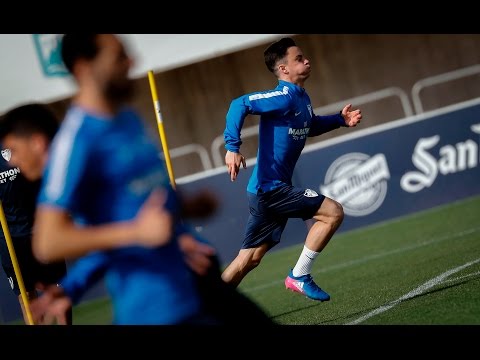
[323, 124]
[257, 103]
[68, 161]
[83, 274]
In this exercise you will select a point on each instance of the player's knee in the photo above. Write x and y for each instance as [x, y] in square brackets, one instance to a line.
[256, 259]
[253, 262]
[251, 258]
[338, 213]
[332, 213]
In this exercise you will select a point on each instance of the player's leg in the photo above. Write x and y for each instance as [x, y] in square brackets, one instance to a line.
[244, 262]
[225, 303]
[328, 218]
[263, 231]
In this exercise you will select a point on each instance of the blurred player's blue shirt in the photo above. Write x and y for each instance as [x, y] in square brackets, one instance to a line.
[287, 119]
[102, 170]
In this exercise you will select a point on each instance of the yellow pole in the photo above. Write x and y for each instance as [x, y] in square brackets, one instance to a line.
[163, 138]
[18, 274]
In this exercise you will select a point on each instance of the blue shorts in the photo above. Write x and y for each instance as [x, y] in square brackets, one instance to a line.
[270, 211]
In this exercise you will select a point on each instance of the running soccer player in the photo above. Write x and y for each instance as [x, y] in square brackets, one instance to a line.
[287, 119]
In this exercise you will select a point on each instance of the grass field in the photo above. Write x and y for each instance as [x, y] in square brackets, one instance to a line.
[423, 269]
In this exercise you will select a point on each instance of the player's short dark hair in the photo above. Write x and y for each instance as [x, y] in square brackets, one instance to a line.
[29, 119]
[78, 46]
[277, 51]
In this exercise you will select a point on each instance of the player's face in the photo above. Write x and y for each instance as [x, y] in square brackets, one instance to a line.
[298, 65]
[27, 155]
[111, 68]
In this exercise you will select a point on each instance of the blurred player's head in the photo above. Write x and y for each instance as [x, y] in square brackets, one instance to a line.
[100, 64]
[27, 131]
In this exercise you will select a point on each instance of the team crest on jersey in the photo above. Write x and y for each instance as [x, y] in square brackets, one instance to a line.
[310, 193]
[310, 109]
[7, 154]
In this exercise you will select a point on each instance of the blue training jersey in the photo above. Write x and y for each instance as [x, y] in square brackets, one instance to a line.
[286, 120]
[102, 170]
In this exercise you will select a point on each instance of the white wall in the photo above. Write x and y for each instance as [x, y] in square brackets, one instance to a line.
[22, 79]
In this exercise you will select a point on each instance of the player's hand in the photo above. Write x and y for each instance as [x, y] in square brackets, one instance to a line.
[233, 161]
[153, 225]
[197, 254]
[352, 118]
[51, 306]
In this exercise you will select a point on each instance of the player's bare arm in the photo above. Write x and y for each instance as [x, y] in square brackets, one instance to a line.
[151, 227]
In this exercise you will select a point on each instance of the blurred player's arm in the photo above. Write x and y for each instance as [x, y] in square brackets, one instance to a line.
[55, 302]
[151, 227]
[198, 253]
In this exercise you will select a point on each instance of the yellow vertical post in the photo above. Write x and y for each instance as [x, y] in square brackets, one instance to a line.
[163, 138]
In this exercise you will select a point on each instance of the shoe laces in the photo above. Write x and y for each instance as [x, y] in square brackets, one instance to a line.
[309, 280]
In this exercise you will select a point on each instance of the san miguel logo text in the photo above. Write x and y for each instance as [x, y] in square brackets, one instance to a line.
[451, 159]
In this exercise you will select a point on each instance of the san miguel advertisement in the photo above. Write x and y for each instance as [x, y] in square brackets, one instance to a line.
[377, 174]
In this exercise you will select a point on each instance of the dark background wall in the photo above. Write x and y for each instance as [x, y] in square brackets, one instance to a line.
[195, 98]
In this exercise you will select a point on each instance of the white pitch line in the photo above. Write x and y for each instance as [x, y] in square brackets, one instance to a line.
[419, 290]
[463, 277]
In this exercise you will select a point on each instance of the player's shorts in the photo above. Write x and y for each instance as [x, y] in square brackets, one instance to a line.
[270, 211]
[32, 271]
